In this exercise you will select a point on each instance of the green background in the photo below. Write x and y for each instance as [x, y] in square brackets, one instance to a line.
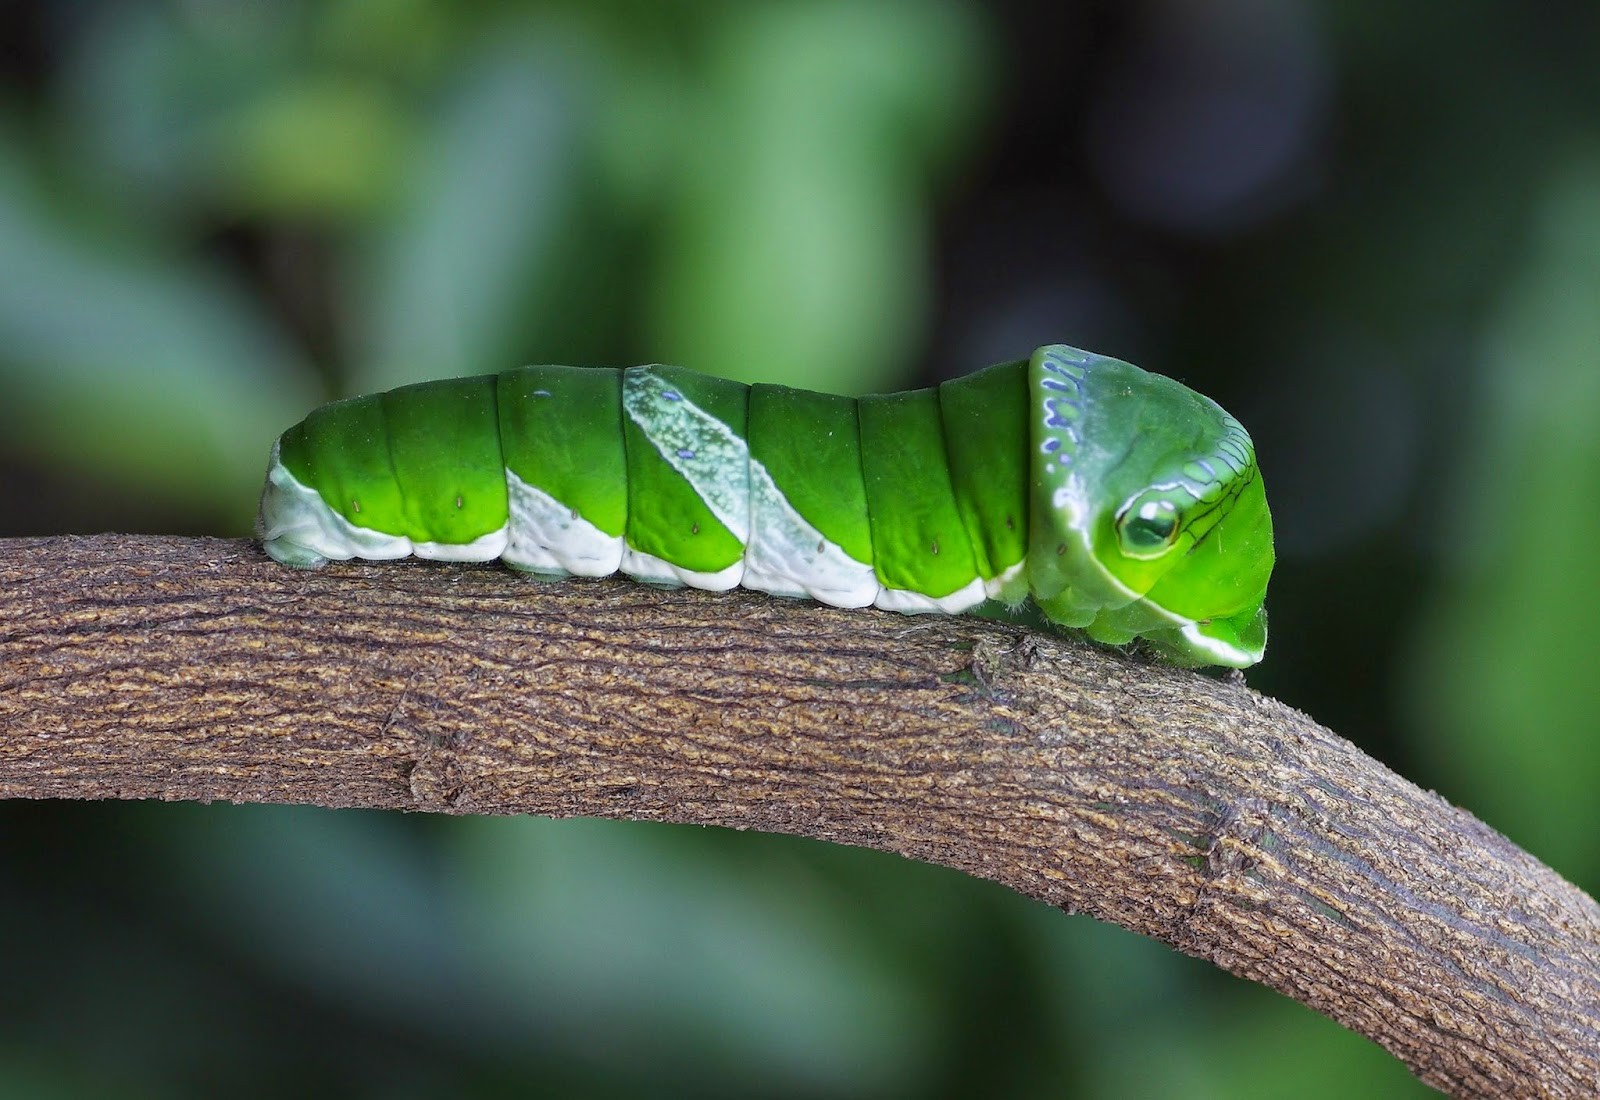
[1372, 231]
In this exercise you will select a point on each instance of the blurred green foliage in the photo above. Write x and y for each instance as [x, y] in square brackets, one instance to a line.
[1506, 664]
[1370, 230]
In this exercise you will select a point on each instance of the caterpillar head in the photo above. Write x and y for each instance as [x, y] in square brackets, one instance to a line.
[1155, 520]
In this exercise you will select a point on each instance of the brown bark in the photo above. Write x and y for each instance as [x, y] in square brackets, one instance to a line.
[1179, 806]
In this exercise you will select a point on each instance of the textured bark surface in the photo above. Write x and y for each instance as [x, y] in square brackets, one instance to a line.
[1181, 807]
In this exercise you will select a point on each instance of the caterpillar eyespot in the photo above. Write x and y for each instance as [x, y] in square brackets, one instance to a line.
[1096, 489]
[1149, 525]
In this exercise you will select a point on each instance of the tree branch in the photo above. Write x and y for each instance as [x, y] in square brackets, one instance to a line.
[1181, 807]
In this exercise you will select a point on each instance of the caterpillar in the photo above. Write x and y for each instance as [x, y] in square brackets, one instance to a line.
[1121, 502]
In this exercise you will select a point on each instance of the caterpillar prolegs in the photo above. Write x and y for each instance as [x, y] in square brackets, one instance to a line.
[1121, 502]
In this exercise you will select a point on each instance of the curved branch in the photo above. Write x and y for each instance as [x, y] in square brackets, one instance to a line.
[1181, 807]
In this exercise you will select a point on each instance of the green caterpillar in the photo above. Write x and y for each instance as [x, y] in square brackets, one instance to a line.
[1120, 501]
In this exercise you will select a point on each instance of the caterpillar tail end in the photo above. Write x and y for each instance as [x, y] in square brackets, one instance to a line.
[284, 511]
[285, 552]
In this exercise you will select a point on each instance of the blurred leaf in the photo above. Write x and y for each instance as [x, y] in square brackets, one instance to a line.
[1506, 656]
[146, 87]
[627, 938]
[321, 147]
[409, 38]
[287, 884]
[145, 367]
[452, 283]
[795, 248]
[1253, 1044]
